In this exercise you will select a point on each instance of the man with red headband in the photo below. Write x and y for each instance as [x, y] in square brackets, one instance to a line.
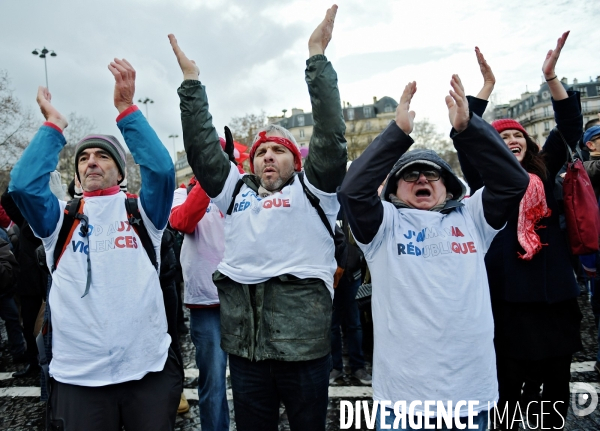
[275, 281]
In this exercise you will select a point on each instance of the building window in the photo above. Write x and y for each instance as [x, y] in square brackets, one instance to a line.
[546, 111]
[368, 111]
[302, 133]
[388, 108]
[350, 114]
[583, 91]
[545, 95]
[546, 126]
[301, 120]
[584, 106]
[368, 125]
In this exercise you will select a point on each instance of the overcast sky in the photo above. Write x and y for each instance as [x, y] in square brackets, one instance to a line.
[252, 53]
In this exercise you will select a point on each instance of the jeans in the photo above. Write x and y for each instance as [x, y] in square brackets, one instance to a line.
[10, 314]
[345, 310]
[480, 420]
[259, 387]
[205, 329]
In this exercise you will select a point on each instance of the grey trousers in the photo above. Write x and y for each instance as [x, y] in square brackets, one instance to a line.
[140, 405]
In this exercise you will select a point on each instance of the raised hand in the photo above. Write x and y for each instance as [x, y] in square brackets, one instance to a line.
[458, 105]
[50, 113]
[188, 67]
[489, 80]
[405, 119]
[321, 37]
[124, 74]
[552, 57]
[557, 91]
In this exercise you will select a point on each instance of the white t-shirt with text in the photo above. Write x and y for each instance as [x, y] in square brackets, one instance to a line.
[432, 316]
[118, 331]
[276, 235]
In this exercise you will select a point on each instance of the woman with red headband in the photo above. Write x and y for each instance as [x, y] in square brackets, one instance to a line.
[533, 289]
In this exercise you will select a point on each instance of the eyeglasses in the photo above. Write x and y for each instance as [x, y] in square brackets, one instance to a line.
[412, 176]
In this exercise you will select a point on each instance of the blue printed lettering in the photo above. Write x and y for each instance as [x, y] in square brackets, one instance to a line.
[401, 249]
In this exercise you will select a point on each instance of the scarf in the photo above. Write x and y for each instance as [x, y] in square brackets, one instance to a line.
[532, 209]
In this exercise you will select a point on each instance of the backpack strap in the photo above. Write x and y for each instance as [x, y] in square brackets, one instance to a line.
[72, 218]
[314, 201]
[251, 181]
[135, 220]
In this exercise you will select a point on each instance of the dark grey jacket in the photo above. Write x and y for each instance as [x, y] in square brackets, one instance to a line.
[284, 318]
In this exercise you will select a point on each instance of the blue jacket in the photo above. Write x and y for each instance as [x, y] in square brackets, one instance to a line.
[30, 189]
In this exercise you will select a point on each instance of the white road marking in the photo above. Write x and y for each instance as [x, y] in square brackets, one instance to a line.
[334, 391]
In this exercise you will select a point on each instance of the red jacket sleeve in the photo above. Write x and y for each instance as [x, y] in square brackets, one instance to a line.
[186, 216]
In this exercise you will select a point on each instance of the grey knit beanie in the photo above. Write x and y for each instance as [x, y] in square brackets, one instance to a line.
[107, 143]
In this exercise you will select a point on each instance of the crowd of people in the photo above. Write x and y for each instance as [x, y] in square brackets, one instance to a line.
[474, 293]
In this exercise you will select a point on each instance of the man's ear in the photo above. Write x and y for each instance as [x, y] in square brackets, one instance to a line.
[120, 178]
[591, 146]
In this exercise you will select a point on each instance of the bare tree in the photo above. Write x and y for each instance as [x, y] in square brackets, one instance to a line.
[134, 179]
[17, 126]
[245, 128]
[426, 136]
[78, 128]
[355, 139]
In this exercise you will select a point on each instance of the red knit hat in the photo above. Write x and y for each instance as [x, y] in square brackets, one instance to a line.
[278, 140]
[506, 124]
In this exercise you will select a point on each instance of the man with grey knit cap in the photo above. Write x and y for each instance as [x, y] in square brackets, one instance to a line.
[111, 364]
[425, 248]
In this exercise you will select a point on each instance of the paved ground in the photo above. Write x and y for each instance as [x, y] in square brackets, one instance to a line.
[21, 410]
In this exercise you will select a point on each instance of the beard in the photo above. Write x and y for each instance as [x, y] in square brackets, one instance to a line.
[276, 183]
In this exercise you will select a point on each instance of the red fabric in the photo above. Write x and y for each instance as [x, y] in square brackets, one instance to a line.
[506, 124]
[104, 192]
[532, 209]
[54, 126]
[186, 216]
[581, 210]
[278, 140]
[126, 112]
[5, 220]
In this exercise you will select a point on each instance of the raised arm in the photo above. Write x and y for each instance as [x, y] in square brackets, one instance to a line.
[200, 139]
[29, 185]
[567, 113]
[325, 165]
[504, 178]
[358, 193]
[156, 168]
[477, 105]
[188, 209]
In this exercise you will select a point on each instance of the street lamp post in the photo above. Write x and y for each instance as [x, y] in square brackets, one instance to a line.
[145, 102]
[42, 54]
[174, 150]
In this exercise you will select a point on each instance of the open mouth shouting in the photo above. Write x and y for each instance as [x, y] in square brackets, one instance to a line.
[423, 193]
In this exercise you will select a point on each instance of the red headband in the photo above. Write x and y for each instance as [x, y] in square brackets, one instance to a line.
[262, 138]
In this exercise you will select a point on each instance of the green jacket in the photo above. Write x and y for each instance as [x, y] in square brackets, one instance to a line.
[284, 318]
